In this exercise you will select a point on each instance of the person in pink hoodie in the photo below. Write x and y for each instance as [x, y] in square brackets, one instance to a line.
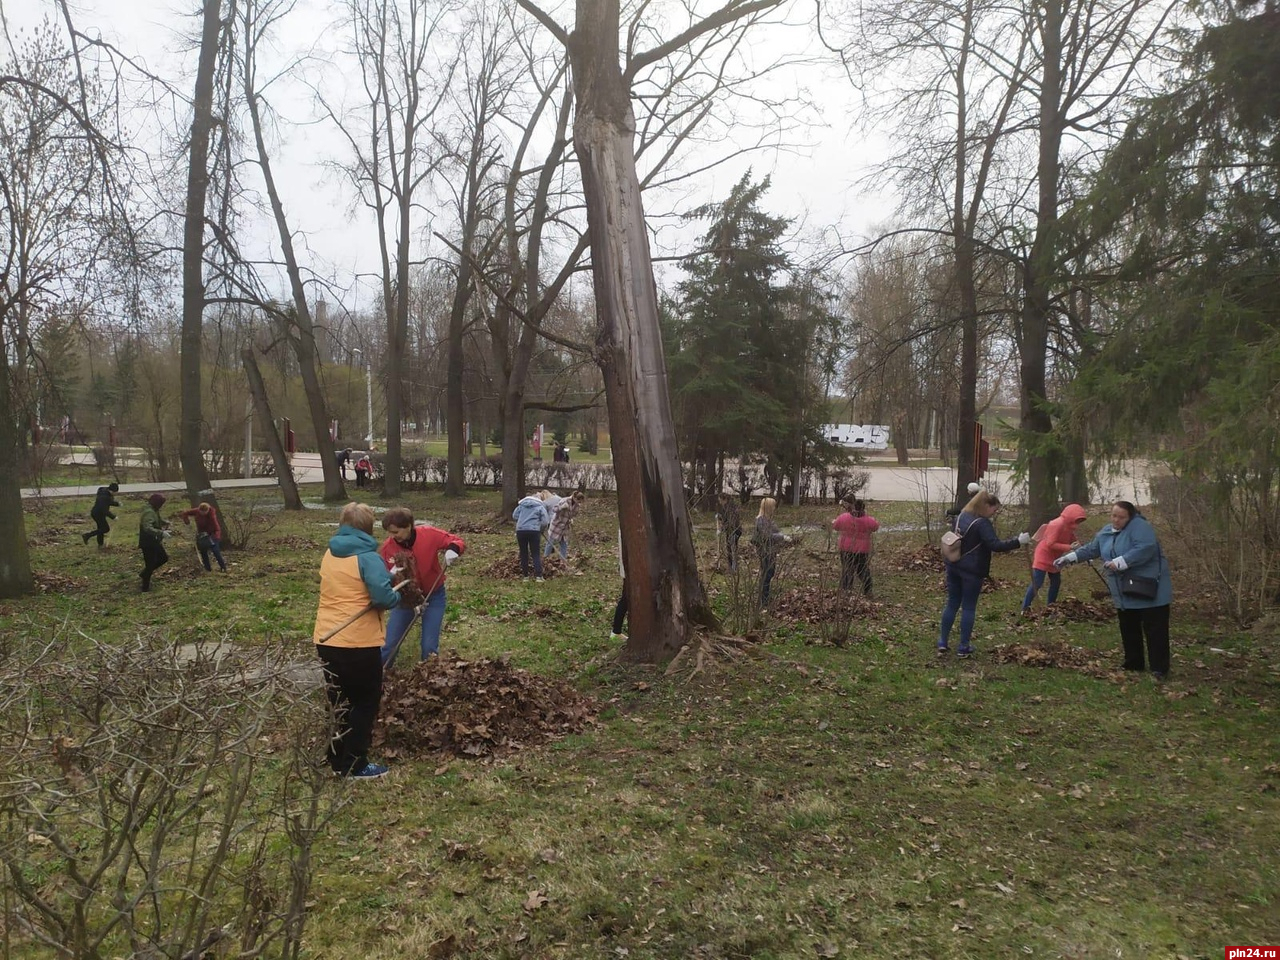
[1058, 540]
[855, 529]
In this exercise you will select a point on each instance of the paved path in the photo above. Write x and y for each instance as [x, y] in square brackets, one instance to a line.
[888, 482]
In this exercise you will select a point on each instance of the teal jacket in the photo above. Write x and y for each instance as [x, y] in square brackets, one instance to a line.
[350, 542]
[1138, 545]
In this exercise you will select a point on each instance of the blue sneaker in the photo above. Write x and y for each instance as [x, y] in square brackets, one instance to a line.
[943, 649]
[964, 653]
[370, 771]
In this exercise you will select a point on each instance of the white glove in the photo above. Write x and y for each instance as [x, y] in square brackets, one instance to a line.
[450, 555]
[1024, 538]
[786, 539]
[973, 488]
[1119, 564]
[1066, 560]
[166, 534]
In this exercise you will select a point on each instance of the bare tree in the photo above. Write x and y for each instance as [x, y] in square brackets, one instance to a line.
[258, 19]
[393, 43]
[213, 38]
[63, 96]
[665, 593]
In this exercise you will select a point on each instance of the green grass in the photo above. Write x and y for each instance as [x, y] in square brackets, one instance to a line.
[865, 800]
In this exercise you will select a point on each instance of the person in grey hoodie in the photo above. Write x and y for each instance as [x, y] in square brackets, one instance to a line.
[530, 516]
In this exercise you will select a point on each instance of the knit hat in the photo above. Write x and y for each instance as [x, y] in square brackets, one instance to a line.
[156, 500]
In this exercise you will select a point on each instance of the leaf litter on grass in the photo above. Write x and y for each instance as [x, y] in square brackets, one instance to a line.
[1055, 653]
[475, 708]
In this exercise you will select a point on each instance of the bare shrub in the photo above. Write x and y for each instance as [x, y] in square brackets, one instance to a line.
[241, 524]
[156, 805]
[1226, 536]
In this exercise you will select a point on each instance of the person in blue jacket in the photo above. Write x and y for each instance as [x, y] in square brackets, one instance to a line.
[965, 576]
[530, 516]
[1129, 549]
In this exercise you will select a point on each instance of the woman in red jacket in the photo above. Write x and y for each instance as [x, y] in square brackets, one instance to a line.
[855, 528]
[208, 534]
[425, 543]
[1059, 537]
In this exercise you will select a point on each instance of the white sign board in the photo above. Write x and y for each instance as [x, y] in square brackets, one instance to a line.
[861, 436]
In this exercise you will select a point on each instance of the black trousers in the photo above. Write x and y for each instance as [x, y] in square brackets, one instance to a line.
[620, 611]
[353, 682]
[103, 528]
[154, 556]
[855, 564]
[1153, 622]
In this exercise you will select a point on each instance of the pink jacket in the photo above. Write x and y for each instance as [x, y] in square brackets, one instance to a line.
[1059, 534]
[855, 532]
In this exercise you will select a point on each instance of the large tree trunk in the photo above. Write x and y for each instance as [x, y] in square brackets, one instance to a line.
[15, 560]
[262, 406]
[397, 353]
[665, 594]
[455, 402]
[1038, 273]
[194, 471]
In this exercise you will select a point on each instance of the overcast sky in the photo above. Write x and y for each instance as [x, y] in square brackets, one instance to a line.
[815, 182]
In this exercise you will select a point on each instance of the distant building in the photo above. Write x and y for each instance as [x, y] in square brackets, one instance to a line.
[861, 436]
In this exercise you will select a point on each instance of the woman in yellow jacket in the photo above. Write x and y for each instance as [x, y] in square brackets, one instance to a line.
[355, 587]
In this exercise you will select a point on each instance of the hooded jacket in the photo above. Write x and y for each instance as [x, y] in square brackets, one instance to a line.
[1138, 545]
[530, 514]
[105, 501]
[353, 576]
[1059, 534]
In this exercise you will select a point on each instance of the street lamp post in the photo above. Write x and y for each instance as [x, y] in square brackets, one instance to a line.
[368, 384]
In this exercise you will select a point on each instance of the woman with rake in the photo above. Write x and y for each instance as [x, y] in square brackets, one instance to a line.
[416, 550]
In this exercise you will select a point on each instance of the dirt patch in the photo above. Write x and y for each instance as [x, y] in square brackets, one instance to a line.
[817, 605]
[293, 542]
[926, 559]
[49, 582]
[1059, 654]
[474, 708]
[462, 525]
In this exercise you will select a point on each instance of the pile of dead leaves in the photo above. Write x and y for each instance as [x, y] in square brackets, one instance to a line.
[926, 559]
[508, 568]
[48, 582]
[474, 708]
[1054, 653]
[819, 605]
[1069, 608]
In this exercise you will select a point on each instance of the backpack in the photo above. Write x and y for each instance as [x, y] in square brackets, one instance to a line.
[952, 544]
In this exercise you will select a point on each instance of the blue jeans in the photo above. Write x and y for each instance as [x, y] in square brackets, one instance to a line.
[398, 625]
[962, 595]
[215, 547]
[1037, 581]
[551, 545]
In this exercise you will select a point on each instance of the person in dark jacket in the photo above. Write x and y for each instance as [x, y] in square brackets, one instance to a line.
[1129, 548]
[101, 513]
[965, 576]
[208, 534]
[729, 518]
[152, 533]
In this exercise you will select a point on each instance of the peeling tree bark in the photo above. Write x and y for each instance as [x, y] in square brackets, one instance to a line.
[665, 593]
